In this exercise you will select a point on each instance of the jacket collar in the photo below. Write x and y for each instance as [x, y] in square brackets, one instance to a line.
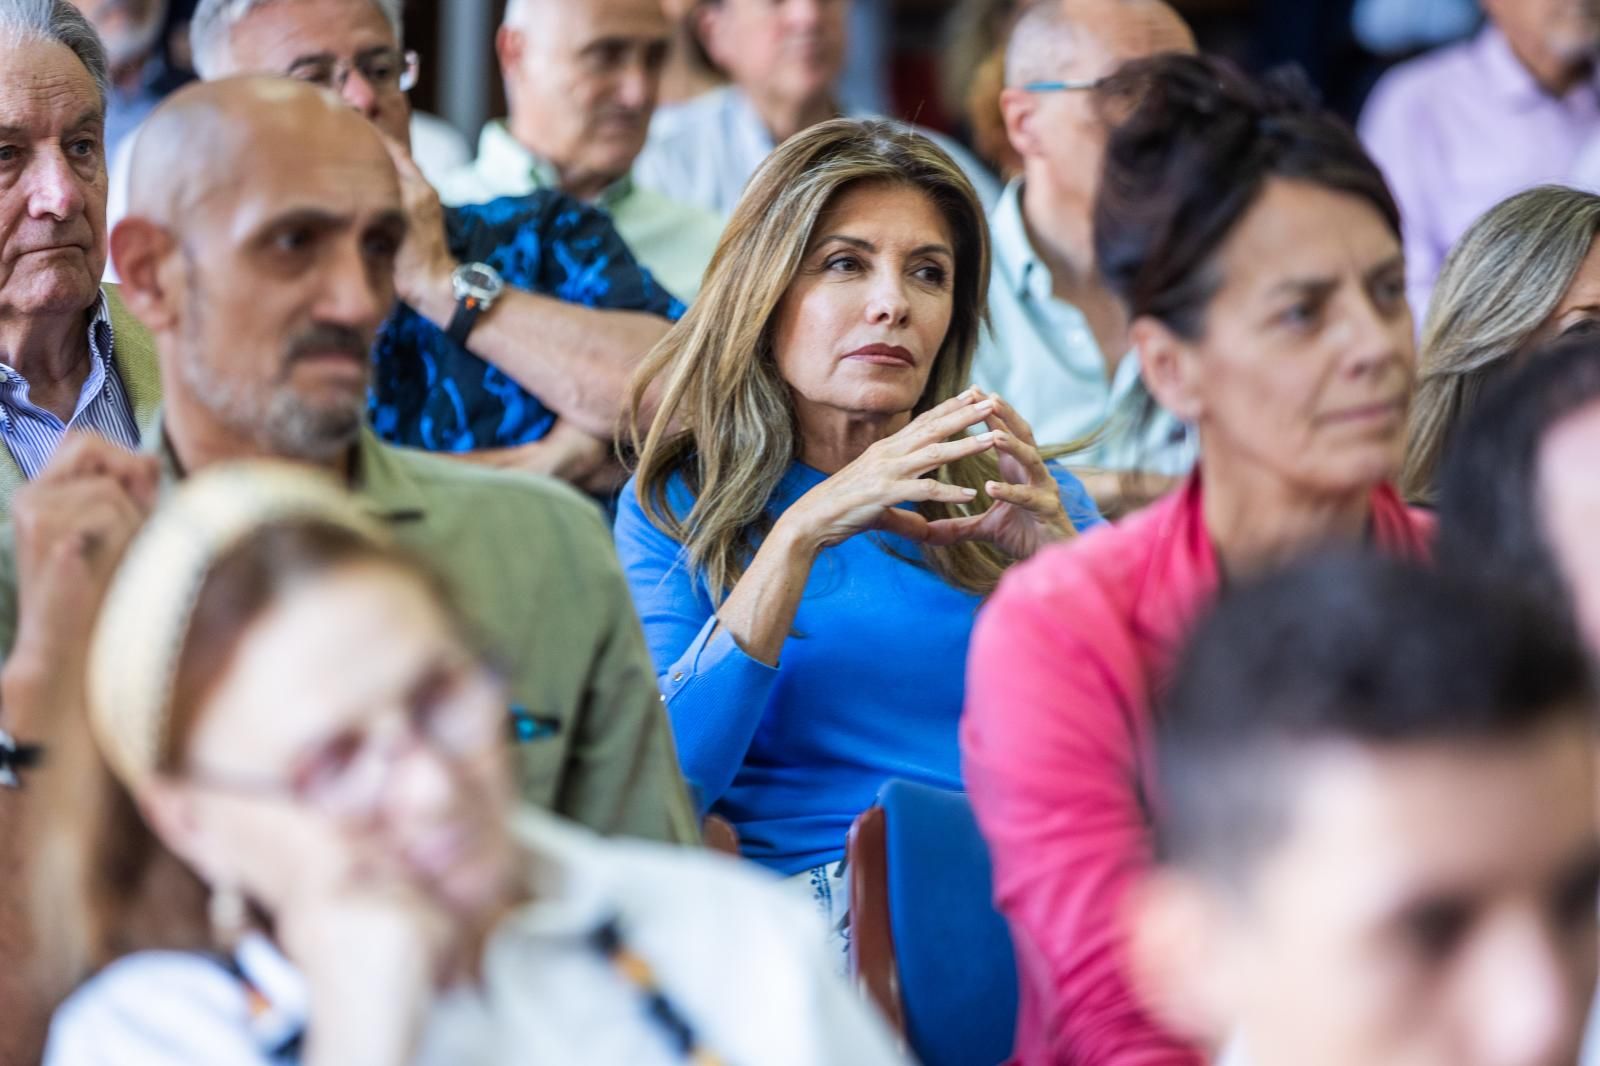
[382, 476]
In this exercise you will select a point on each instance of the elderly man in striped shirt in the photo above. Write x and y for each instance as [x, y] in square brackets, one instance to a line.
[70, 357]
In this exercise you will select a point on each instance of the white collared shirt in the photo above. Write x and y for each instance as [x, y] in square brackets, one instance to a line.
[704, 151]
[739, 956]
[1040, 354]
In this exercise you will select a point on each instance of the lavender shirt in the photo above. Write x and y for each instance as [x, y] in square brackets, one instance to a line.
[1461, 129]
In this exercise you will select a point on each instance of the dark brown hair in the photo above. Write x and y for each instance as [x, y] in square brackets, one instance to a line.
[1193, 144]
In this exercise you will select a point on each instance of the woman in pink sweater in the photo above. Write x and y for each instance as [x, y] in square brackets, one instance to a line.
[1257, 251]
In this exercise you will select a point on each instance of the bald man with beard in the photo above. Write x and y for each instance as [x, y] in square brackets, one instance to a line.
[263, 270]
[1058, 339]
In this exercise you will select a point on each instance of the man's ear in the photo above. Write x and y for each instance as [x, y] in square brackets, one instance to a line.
[168, 808]
[708, 24]
[1177, 933]
[1170, 367]
[509, 46]
[142, 250]
[1019, 109]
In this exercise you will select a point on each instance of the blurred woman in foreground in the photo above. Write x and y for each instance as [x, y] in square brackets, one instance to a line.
[334, 871]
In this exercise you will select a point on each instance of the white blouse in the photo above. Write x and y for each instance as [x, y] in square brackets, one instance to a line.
[741, 958]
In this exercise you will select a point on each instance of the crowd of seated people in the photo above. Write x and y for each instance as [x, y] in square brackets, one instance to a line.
[780, 454]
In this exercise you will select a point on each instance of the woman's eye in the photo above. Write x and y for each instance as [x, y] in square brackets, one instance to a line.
[328, 765]
[1391, 293]
[933, 275]
[1582, 325]
[1436, 931]
[1300, 316]
[843, 264]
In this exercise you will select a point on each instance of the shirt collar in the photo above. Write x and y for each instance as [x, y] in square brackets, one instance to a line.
[102, 347]
[1013, 250]
[278, 1003]
[1183, 575]
[386, 486]
[499, 153]
[386, 483]
[102, 334]
[1505, 76]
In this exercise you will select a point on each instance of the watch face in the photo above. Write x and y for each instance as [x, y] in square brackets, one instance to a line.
[478, 280]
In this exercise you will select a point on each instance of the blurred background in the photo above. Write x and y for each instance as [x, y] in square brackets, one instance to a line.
[928, 59]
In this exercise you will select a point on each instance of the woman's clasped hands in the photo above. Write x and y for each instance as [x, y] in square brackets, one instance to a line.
[1026, 513]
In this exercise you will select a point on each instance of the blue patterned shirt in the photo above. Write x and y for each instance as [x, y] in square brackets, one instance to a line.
[32, 434]
[431, 393]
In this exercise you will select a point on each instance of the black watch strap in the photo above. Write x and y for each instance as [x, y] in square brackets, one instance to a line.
[15, 758]
[468, 310]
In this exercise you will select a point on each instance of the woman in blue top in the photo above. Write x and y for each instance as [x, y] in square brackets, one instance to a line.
[812, 527]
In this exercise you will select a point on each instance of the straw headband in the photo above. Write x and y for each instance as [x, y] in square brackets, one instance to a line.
[144, 622]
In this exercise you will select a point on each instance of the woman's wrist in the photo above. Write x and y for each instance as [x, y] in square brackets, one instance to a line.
[792, 540]
[367, 1015]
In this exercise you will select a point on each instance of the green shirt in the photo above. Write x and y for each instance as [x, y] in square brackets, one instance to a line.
[675, 241]
[530, 563]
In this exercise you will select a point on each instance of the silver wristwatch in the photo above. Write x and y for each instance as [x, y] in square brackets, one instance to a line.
[476, 287]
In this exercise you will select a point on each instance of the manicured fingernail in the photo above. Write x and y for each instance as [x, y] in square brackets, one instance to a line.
[990, 486]
[969, 493]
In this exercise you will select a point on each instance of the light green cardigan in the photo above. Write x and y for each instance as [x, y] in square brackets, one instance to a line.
[134, 354]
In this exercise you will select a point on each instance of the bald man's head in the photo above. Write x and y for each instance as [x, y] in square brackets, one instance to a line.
[582, 77]
[1085, 40]
[225, 130]
[259, 248]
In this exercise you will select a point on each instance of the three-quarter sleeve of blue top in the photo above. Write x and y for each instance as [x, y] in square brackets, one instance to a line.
[714, 692]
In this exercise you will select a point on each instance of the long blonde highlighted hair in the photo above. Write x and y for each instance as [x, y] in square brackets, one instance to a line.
[726, 420]
[1499, 286]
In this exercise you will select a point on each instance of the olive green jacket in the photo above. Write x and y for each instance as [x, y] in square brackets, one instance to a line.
[134, 355]
[532, 566]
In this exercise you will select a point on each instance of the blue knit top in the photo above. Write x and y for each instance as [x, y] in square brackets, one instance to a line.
[868, 687]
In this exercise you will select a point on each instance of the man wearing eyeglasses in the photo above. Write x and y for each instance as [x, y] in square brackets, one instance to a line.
[520, 321]
[1058, 339]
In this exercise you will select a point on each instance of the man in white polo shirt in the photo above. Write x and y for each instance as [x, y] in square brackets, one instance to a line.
[582, 77]
[783, 60]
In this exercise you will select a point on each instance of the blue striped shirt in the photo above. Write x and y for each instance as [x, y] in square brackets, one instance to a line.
[33, 434]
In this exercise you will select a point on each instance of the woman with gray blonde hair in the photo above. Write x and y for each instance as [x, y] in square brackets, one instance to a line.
[812, 528]
[285, 831]
[1526, 271]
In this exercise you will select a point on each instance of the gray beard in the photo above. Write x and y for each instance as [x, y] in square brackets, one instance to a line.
[279, 422]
